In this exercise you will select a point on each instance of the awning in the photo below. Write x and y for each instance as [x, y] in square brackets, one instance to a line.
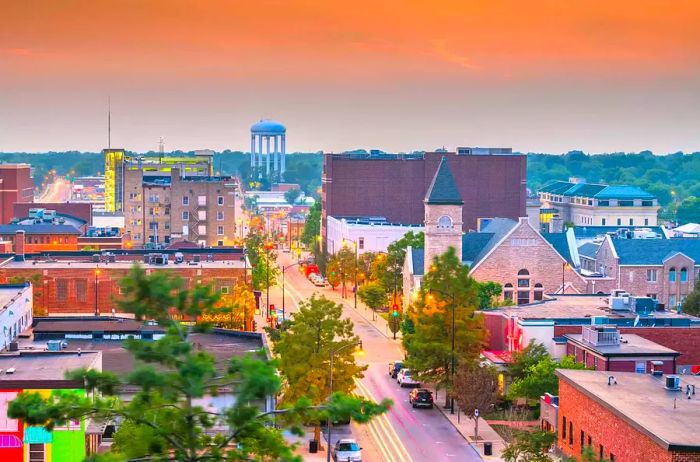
[37, 435]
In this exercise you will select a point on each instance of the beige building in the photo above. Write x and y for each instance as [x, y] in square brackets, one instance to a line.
[163, 210]
[586, 204]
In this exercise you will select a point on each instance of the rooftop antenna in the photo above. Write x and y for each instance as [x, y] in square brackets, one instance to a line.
[109, 122]
[161, 149]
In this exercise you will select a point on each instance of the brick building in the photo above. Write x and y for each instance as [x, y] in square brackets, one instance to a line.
[83, 283]
[80, 210]
[628, 417]
[16, 185]
[161, 210]
[490, 181]
[40, 237]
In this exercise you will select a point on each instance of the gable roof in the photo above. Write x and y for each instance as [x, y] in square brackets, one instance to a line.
[561, 244]
[443, 189]
[498, 228]
[597, 191]
[655, 251]
[589, 250]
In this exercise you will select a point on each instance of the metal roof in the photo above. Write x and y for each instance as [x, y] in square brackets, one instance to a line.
[443, 189]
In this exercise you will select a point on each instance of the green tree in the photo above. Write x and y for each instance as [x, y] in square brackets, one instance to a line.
[476, 387]
[292, 195]
[447, 289]
[540, 378]
[691, 304]
[523, 360]
[487, 291]
[161, 420]
[530, 447]
[312, 226]
[373, 295]
[343, 264]
[304, 350]
[689, 210]
[390, 269]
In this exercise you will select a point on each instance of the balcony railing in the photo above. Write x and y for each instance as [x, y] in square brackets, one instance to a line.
[601, 337]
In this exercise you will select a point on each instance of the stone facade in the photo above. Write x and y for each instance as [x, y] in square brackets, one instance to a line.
[528, 267]
[443, 229]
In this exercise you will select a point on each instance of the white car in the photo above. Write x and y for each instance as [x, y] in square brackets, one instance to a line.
[405, 379]
[347, 450]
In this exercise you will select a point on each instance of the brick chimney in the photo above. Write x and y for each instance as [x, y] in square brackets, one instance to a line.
[19, 245]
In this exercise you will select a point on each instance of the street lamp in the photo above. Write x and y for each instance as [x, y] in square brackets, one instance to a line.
[564, 268]
[284, 269]
[452, 352]
[97, 274]
[268, 247]
[357, 343]
[355, 272]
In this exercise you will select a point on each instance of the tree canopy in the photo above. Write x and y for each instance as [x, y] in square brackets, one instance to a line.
[540, 378]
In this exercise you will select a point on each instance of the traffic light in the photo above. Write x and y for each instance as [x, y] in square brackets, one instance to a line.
[395, 310]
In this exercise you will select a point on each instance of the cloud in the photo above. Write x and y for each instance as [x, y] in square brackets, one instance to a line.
[439, 50]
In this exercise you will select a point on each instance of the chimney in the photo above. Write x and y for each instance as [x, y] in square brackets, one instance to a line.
[19, 245]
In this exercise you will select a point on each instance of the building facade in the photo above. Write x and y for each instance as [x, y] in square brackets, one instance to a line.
[16, 186]
[372, 234]
[600, 205]
[490, 181]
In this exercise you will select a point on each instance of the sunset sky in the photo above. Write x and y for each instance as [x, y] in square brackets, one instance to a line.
[535, 75]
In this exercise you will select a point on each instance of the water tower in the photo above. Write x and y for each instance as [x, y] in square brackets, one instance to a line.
[268, 137]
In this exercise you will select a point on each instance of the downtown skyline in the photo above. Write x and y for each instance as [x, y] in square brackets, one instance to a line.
[391, 75]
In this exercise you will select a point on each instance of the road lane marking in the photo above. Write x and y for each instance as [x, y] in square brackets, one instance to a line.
[377, 438]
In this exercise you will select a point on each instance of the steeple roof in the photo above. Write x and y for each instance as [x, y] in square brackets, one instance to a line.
[443, 189]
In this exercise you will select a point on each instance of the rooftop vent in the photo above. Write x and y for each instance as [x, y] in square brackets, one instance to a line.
[673, 382]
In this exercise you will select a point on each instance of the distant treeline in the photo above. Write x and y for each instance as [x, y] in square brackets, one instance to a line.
[671, 177]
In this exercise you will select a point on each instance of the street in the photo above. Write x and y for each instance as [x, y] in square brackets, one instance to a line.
[403, 433]
[57, 191]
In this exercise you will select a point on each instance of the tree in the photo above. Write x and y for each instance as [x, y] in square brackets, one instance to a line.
[234, 311]
[312, 226]
[373, 295]
[304, 350]
[265, 271]
[691, 304]
[390, 268]
[689, 210]
[530, 446]
[540, 378]
[476, 387]
[292, 195]
[343, 264]
[523, 360]
[39, 307]
[447, 289]
[161, 420]
[487, 292]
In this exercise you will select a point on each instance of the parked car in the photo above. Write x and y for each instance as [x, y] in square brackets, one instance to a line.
[405, 379]
[421, 397]
[394, 368]
[319, 281]
[347, 450]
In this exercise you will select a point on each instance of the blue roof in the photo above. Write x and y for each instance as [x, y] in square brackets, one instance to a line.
[597, 191]
[560, 244]
[266, 126]
[655, 251]
[417, 256]
[582, 232]
[473, 244]
[39, 229]
[589, 250]
[497, 228]
[443, 189]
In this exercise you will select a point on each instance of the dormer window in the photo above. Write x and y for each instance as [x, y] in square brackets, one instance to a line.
[444, 222]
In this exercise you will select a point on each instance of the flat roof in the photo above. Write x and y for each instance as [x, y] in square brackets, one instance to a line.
[38, 369]
[631, 345]
[667, 417]
[172, 266]
[58, 325]
[9, 293]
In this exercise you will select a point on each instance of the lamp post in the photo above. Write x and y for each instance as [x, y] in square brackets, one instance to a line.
[97, 274]
[452, 352]
[565, 266]
[268, 246]
[330, 389]
[284, 269]
[355, 273]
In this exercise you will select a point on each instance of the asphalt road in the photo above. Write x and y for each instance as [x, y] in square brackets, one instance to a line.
[404, 433]
[57, 191]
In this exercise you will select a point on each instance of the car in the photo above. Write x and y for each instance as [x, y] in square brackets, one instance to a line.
[319, 282]
[405, 379]
[394, 368]
[421, 397]
[347, 450]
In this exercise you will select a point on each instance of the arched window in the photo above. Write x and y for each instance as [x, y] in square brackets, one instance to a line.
[672, 275]
[684, 274]
[444, 222]
[508, 292]
[539, 291]
[523, 278]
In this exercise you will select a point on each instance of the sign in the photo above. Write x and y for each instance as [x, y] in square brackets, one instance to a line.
[476, 413]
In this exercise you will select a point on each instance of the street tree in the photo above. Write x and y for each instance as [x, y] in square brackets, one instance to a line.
[522, 361]
[161, 420]
[234, 311]
[530, 446]
[444, 310]
[373, 295]
[304, 350]
[476, 387]
[391, 269]
[343, 264]
[691, 304]
[488, 291]
[312, 226]
[265, 272]
[292, 195]
[541, 378]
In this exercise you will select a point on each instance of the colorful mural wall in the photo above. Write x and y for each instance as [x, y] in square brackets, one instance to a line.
[22, 443]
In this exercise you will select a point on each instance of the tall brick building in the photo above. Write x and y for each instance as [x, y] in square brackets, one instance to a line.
[628, 417]
[16, 185]
[491, 182]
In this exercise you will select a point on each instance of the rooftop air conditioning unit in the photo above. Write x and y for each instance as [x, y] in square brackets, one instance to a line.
[10, 371]
[673, 382]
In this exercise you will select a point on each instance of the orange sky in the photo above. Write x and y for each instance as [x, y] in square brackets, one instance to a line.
[396, 75]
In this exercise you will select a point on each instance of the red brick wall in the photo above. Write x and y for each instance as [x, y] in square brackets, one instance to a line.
[491, 186]
[616, 436]
[496, 325]
[685, 340]
[16, 186]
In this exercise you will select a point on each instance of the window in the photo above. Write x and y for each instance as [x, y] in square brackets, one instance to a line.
[220, 200]
[224, 289]
[595, 363]
[220, 243]
[651, 275]
[619, 221]
[631, 221]
[601, 451]
[571, 433]
[583, 439]
[672, 275]
[444, 222]
[539, 291]
[603, 222]
[202, 229]
[202, 214]
[61, 290]
[185, 200]
[640, 367]
[684, 274]
[646, 223]
[219, 230]
[523, 278]
[201, 200]
[625, 203]
[612, 457]
[186, 215]
[508, 292]
[563, 428]
[647, 203]
[81, 290]
[523, 297]
[361, 243]
[671, 301]
[220, 215]
[36, 452]
[603, 204]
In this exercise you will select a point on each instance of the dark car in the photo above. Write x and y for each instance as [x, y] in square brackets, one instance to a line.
[421, 397]
[394, 368]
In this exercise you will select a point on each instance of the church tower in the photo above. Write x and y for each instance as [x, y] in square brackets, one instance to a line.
[443, 215]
